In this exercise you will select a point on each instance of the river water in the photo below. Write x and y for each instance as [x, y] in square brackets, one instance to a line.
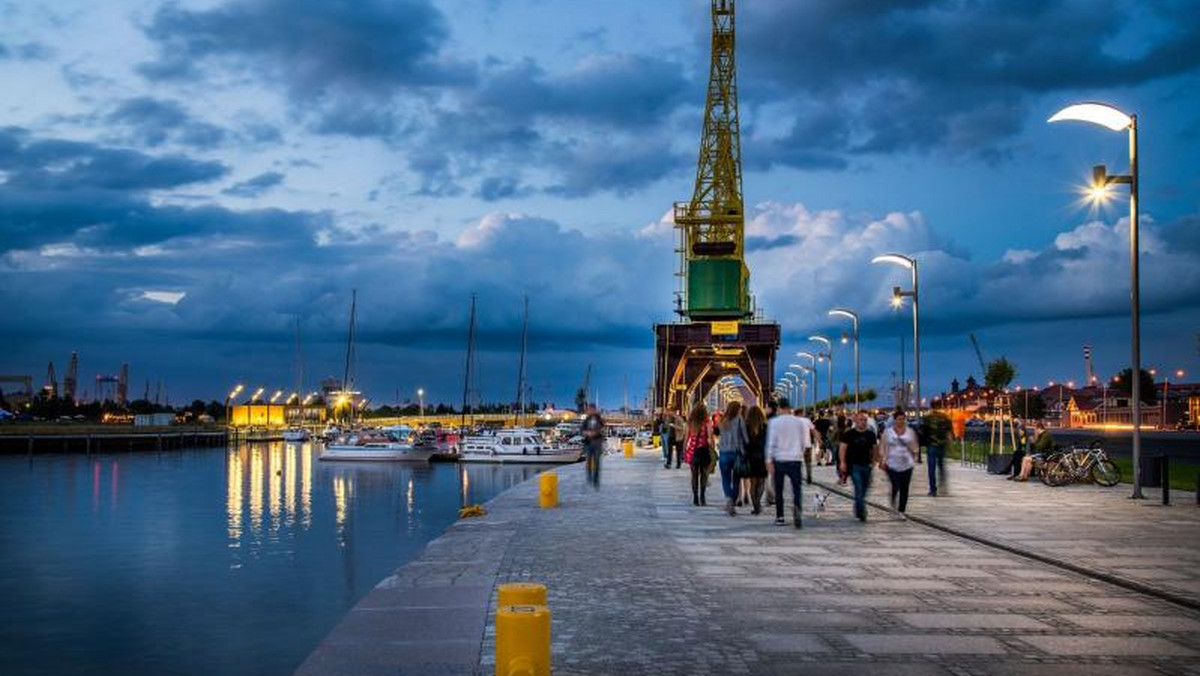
[205, 561]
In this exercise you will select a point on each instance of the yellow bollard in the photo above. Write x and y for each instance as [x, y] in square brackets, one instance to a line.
[521, 594]
[627, 444]
[655, 441]
[548, 494]
[523, 641]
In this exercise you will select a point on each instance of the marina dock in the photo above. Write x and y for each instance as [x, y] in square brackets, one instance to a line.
[641, 582]
[98, 438]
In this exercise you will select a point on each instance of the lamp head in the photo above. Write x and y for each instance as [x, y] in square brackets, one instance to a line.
[895, 259]
[897, 298]
[1096, 113]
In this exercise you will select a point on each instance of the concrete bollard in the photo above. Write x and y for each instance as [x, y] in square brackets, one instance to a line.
[521, 594]
[627, 446]
[548, 490]
[523, 641]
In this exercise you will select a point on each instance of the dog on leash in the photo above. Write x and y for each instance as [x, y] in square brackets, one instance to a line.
[818, 504]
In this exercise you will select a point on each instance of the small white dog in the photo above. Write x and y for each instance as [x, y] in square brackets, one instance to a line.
[818, 504]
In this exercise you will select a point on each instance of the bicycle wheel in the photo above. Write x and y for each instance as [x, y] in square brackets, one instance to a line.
[1105, 473]
[1056, 473]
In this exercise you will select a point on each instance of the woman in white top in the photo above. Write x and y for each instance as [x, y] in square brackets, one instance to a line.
[898, 449]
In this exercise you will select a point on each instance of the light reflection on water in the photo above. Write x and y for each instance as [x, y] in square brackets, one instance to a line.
[205, 561]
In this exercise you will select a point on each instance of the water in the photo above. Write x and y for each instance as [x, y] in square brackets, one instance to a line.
[205, 561]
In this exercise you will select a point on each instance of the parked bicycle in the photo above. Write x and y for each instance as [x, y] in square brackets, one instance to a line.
[1080, 464]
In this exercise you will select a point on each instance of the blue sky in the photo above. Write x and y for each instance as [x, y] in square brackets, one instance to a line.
[179, 182]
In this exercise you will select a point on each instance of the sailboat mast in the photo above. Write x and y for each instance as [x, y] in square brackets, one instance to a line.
[470, 359]
[346, 374]
[521, 365]
[299, 361]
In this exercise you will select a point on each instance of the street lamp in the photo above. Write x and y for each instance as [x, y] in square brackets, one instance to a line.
[852, 316]
[815, 376]
[1108, 116]
[274, 398]
[898, 297]
[228, 400]
[421, 405]
[829, 353]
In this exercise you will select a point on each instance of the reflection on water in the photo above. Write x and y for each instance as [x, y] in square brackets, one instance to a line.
[205, 561]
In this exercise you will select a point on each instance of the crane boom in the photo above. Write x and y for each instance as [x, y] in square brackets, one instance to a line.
[979, 355]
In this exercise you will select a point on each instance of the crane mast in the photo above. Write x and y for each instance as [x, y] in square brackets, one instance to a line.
[712, 225]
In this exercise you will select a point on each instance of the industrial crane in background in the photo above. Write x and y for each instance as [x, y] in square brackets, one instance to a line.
[581, 395]
[979, 355]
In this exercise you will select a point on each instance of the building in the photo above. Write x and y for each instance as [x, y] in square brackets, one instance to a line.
[276, 415]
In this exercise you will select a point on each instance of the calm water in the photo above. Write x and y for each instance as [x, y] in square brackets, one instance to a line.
[205, 561]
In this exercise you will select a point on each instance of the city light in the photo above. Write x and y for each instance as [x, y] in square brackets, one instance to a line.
[1096, 113]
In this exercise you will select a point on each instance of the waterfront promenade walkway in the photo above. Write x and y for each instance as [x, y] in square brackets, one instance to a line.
[641, 582]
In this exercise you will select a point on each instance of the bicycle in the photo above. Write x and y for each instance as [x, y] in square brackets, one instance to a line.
[1081, 464]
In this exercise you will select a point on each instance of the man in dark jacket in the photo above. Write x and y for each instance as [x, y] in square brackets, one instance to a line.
[593, 445]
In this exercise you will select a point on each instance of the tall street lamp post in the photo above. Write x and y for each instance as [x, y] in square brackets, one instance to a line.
[421, 403]
[794, 381]
[828, 353]
[898, 297]
[1107, 116]
[813, 358]
[852, 316]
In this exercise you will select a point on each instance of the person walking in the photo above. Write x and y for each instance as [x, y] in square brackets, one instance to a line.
[698, 451]
[756, 456]
[936, 436]
[680, 437]
[593, 445]
[856, 455]
[733, 438]
[666, 431]
[898, 455]
[788, 438]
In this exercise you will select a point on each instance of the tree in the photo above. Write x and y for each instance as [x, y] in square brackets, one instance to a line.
[1000, 372]
[1149, 391]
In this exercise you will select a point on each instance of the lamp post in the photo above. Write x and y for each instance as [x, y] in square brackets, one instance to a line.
[804, 370]
[794, 382]
[228, 400]
[852, 316]
[813, 358]
[898, 297]
[828, 353]
[421, 404]
[274, 398]
[1108, 116]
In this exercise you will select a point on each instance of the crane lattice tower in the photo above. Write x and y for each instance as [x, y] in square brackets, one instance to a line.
[719, 337]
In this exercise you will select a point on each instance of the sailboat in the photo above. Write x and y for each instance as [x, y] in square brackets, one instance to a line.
[514, 444]
[367, 444]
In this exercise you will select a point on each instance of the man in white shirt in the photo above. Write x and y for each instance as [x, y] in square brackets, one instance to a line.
[788, 437]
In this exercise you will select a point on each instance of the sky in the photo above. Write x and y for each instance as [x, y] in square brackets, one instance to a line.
[183, 184]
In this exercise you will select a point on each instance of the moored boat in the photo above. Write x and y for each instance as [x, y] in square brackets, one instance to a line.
[366, 446]
[296, 434]
[517, 446]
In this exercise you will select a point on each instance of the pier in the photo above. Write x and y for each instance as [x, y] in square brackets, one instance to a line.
[996, 578]
[98, 438]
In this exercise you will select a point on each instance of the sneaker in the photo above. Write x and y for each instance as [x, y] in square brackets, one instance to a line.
[779, 521]
[931, 494]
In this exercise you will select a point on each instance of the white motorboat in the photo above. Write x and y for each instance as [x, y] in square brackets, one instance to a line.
[368, 447]
[296, 434]
[517, 446]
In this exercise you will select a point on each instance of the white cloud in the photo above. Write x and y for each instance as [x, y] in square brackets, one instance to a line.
[166, 297]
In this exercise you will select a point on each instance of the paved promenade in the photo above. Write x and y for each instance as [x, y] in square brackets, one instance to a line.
[641, 582]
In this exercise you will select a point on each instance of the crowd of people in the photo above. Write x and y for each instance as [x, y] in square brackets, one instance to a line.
[757, 451]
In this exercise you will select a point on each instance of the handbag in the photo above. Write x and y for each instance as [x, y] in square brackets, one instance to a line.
[741, 465]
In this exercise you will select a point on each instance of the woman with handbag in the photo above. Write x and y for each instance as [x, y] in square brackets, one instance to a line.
[698, 451]
[733, 440]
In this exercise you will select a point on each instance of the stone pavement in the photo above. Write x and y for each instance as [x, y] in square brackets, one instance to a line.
[641, 582]
[1091, 527]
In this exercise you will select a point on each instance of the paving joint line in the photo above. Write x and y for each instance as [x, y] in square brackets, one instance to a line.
[1109, 578]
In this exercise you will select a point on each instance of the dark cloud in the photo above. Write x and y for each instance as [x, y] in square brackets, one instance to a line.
[51, 164]
[153, 122]
[315, 48]
[28, 51]
[256, 186]
[919, 75]
[495, 188]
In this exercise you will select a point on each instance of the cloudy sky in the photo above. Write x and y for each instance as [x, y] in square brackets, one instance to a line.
[181, 183]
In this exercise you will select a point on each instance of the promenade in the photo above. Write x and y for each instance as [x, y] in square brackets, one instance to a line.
[641, 582]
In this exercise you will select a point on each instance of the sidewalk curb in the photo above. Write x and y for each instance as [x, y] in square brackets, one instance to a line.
[1170, 597]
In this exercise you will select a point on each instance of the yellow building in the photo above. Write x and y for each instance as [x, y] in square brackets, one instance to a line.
[275, 415]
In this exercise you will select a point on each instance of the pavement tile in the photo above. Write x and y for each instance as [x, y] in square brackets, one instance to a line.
[1107, 645]
[926, 644]
[1113, 622]
[970, 621]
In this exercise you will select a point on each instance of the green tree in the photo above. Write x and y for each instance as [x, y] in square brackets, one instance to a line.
[1000, 372]
[1149, 391]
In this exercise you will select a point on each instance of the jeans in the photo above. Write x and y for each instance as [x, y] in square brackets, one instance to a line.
[937, 466]
[861, 476]
[900, 482]
[792, 471]
[593, 453]
[667, 442]
[729, 479]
